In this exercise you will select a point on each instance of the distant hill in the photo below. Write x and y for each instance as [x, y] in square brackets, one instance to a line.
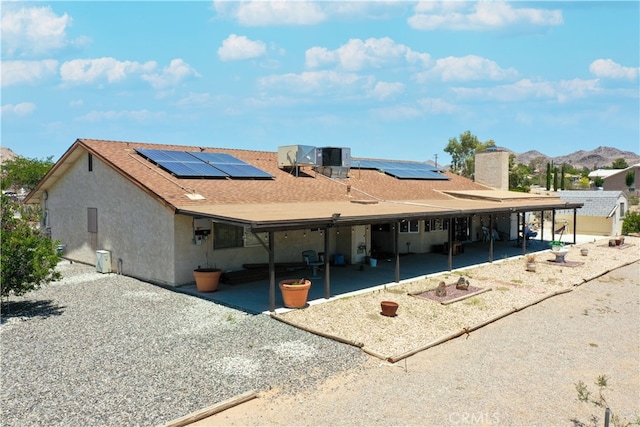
[601, 157]
[6, 154]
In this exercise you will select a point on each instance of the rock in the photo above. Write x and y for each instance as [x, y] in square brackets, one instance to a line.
[441, 290]
[463, 284]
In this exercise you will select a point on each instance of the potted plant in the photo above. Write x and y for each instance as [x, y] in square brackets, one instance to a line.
[531, 262]
[207, 278]
[294, 292]
[556, 245]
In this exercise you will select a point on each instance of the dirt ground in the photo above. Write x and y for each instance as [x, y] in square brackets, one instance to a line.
[520, 370]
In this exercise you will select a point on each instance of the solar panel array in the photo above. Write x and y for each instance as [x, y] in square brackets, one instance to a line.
[194, 164]
[400, 169]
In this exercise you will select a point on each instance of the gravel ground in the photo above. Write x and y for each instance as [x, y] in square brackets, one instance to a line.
[103, 350]
[518, 371]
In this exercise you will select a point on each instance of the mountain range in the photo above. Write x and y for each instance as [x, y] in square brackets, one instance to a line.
[600, 158]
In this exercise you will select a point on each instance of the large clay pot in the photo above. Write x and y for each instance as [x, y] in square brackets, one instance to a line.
[207, 279]
[294, 292]
[389, 308]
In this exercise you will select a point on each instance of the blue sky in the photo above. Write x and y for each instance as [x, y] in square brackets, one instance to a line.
[391, 80]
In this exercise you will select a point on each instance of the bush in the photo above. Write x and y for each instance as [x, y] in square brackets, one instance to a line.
[631, 223]
[28, 257]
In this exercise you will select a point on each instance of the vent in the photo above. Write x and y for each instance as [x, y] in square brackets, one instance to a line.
[334, 162]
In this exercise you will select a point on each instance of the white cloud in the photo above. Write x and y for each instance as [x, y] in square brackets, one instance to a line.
[22, 109]
[240, 47]
[263, 13]
[33, 31]
[436, 106]
[194, 99]
[609, 69]
[133, 115]
[483, 15]
[562, 91]
[384, 90]
[466, 68]
[371, 53]
[83, 71]
[318, 82]
[25, 72]
[176, 72]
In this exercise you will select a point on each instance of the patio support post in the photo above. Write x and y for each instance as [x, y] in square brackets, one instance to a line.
[575, 223]
[327, 280]
[272, 274]
[490, 238]
[397, 250]
[524, 237]
[553, 225]
[542, 226]
[450, 244]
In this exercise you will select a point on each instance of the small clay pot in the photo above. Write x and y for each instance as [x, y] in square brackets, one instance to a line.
[389, 308]
[584, 251]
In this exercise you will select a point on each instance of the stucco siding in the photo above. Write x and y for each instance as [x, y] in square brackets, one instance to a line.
[134, 227]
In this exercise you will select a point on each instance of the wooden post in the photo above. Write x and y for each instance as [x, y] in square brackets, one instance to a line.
[272, 274]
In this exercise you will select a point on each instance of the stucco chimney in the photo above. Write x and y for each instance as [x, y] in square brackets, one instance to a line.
[492, 168]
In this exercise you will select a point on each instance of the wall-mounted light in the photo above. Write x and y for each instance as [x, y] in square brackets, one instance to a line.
[335, 216]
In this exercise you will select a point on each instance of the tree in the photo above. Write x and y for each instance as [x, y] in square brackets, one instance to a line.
[462, 153]
[562, 178]
[619, 163]
[24, 172]
[28, 258]
[548, 176]
[630, 179]
[598, 181]
[631, 223]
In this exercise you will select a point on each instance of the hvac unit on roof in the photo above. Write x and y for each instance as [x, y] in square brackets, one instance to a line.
[296, 155]
[334, 162]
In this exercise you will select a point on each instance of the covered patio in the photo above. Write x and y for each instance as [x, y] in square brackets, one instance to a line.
[254, 297]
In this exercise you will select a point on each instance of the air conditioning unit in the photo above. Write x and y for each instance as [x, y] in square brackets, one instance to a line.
[296, 155]
[103, 261]
[334, 162]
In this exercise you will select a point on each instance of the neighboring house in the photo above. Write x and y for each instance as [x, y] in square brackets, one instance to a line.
[615, 179]
[602, 212]
[161, 211]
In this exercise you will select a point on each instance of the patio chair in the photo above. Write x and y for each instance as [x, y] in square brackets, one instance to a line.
[311, 259]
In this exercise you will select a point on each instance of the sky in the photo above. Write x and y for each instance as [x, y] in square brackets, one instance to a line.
[387, 79]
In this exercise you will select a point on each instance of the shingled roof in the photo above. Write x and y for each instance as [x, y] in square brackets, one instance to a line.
[289, 200]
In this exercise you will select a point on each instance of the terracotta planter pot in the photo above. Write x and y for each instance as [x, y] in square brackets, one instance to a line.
[389, 308]
[584, 251]
[295, 296]
[207, 279]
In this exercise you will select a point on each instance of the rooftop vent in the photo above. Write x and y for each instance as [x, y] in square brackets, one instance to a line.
[296, 155]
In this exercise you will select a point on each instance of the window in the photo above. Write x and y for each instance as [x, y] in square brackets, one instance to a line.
[90, 162]
[92, 220]
[437, 224]
[622, 212]
[227, 236]
[410, 226]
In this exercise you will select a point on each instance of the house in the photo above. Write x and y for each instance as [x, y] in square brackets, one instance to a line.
[602, 212]
[160, 211]
[616, 179]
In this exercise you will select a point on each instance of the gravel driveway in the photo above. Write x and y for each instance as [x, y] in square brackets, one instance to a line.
[104, 350]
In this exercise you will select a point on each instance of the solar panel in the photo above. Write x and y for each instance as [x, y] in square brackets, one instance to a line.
[181, 164]
[400, 169]
[230, 165]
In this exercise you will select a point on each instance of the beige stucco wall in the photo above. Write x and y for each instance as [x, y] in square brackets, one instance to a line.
[133, 226]
[597, 226]
[492, 169]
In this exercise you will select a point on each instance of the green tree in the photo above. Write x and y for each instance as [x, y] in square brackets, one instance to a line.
[630, 179]
[619, 163]
[519, 176]
[548, 176]
[28, 257]
[555, 179]
[631, 223]
[462, 153]
[24, 172]
[598, 181]
[562, 178]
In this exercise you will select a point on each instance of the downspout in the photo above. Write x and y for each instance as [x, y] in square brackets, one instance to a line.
[450, 244]
[575, 225]
[524, 237]
[490, 238]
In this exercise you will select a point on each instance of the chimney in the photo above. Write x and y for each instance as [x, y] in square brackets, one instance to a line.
[492, 168]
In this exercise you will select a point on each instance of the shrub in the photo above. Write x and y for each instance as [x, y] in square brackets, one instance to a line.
[28, 257]
[631, 223]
